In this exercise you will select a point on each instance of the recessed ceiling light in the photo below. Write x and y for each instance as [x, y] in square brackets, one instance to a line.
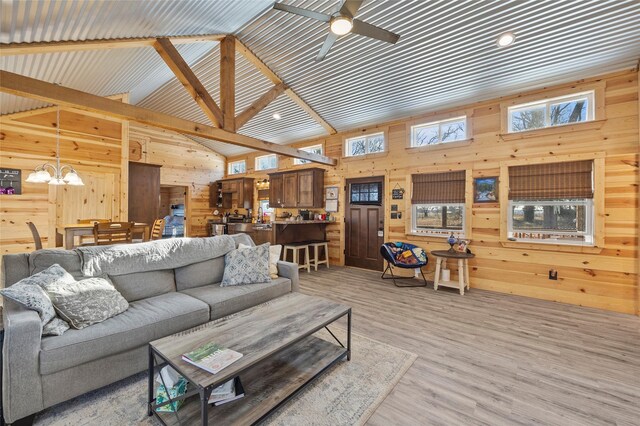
[506, 39]
[277, 116]
[341, 25]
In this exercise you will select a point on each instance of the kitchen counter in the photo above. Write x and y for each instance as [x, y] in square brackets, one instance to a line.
[300, 222]
[282, 231]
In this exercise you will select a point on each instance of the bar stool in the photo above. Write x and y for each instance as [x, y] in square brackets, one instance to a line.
[295, 251]
[316, 245]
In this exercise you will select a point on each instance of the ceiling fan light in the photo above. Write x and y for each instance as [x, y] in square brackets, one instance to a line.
[341, 25]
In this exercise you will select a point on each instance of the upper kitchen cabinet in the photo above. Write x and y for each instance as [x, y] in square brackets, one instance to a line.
[232, 194]
[299, 189]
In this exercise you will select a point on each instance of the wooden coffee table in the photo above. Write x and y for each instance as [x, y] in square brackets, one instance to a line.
[281, 356]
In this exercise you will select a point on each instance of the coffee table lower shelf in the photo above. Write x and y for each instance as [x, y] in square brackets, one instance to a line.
[267, 385]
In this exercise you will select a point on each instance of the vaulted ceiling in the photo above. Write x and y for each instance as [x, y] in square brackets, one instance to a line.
[446, 55]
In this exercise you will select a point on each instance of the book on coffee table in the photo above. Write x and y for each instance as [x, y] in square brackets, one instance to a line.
[211, 357]
[227, 392]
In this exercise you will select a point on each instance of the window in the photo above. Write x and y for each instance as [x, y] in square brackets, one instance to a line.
[559, 111]
[266, 209]
[366, 193]
[438, 203]
[362, 145]
[437, 132]
[266, 162]
[551, 203]
[315, 149]
[236, 167]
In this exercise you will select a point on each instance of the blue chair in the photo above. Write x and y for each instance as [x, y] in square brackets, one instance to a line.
[406, 256]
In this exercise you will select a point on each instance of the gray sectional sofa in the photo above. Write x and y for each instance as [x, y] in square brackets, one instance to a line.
[39, 372]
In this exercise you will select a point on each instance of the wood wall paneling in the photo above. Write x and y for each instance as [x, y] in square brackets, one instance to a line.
[607, 280]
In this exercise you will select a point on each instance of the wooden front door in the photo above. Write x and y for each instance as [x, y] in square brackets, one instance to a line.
[364, 224]
[144, 192]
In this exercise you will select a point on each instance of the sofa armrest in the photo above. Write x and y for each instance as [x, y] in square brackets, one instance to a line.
[21, 382]
[289, 270]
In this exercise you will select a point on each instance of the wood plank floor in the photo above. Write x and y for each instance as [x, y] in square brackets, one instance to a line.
[488, 358]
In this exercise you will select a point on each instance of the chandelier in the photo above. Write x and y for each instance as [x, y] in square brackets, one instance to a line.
[53, 173]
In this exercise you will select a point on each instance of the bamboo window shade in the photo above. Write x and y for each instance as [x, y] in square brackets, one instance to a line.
[566, 180]
[436, 188]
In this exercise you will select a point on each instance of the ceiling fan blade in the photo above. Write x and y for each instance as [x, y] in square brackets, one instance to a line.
[372, 31]
[350, 7]
[303, 12]
[328, 42]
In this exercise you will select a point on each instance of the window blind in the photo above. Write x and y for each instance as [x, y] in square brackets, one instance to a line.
[436, 188]
[566, 180]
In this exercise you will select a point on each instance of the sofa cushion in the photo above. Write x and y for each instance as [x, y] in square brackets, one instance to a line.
[246, 266]
[141, 285]
[229, 300]
[199, 274]
[144, 321]
[40, 260]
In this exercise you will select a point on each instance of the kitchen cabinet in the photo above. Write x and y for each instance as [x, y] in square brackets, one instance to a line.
[231, 193]
[299, 189]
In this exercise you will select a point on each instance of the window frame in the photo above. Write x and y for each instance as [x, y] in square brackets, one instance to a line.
[300, 161]
[347, 142]
[598, 159]
[589, 223]
[230, 163]
[439, 123]
[257, 160]
[439, 232]
[589, 95]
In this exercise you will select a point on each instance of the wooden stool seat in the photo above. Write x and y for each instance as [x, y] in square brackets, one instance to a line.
[295, 251]
[317, 245]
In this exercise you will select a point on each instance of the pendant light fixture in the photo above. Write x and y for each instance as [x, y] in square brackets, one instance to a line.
[53, 173]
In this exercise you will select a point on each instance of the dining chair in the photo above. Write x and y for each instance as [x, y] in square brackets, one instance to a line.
[87, 240]
[157, 228]
[36, 235]
[112, 233]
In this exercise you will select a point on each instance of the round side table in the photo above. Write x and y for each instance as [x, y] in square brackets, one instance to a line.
[463, 269]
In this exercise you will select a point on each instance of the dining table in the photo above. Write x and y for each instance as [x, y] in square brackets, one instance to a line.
[73, 230]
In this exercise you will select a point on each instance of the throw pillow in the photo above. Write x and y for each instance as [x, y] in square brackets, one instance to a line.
[28, 293]
[246, 266]
[86, 302]
[274, 257]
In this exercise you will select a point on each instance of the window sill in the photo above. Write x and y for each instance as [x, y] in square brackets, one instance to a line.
[439, 146]
[567, 128]
[366, 156]
[440, 239]
[552, 247]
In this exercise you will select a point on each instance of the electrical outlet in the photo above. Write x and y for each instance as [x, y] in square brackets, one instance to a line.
[553, 274]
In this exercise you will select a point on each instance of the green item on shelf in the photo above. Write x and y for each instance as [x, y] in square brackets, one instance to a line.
[179, 389]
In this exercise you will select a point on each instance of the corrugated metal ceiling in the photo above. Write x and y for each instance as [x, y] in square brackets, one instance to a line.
[446, 54]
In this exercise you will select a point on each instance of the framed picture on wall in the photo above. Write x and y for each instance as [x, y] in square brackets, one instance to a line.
[485, 190]
[331, 192]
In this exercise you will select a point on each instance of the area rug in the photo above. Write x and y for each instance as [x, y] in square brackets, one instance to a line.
[347, 394]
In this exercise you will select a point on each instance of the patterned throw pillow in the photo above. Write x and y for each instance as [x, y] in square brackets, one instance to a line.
[246, 266]
[85, 302]
[28, 293]
[274, 257]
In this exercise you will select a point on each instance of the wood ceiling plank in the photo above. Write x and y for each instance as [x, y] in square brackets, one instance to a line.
[228, 82]
[19, 85]
[11, 49]
[191, 83]
[275, 79]
[260, 104]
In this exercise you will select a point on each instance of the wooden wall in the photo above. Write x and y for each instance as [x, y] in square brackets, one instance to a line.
[99, 149]
[607, 280]
[92, 145]
[184, 163]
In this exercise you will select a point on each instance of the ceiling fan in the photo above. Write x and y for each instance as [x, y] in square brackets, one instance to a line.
[341, 22]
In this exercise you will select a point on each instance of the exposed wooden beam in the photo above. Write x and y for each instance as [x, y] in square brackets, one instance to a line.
[260, 104]
[114, 43]
[191, 83]
[20, 85]
[275, 79]
[228, 82]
